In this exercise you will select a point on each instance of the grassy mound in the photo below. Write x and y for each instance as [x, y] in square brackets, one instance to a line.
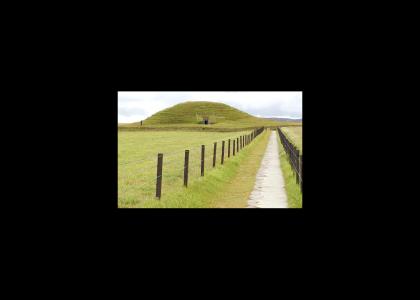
[187, 112]
[188, 116]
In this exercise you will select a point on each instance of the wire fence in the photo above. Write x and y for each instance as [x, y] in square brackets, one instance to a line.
[295, 158]
[178, 168]
[150, 160]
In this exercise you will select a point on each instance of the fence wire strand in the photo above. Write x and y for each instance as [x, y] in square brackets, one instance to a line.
[292, 161]
[129, 180]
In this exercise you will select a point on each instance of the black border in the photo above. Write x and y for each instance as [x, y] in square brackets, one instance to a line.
[187, 217]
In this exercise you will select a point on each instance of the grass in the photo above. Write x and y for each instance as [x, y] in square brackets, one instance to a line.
[183, 116]
[137, 157]
[187, 112]
[236, 194]
[221, 127]
[294, 135]
[226, 186]
[293, 192]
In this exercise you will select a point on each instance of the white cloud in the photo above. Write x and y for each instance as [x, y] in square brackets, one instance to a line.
[136, 106]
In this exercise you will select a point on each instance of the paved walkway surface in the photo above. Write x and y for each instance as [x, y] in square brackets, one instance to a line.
[269, 189]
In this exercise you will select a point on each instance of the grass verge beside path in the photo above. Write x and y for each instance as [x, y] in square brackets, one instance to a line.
[226, 186]
[236, 194]
[294, 195]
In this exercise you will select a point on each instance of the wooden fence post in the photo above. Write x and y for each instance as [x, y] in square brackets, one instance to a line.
[237, 144]
[214, 155]
[159, 175]
[202, 160]
[233, 148]
[187, 156]
[297, 166]
[223, 151]
[229, 148]
[294, 157]
[300, 165]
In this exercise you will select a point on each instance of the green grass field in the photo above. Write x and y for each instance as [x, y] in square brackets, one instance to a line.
[226, 186]
[294, 195]
[175, 129]
[137, 158]
[294, 135]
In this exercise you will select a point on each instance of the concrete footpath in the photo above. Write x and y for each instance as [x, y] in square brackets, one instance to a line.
[269, 189]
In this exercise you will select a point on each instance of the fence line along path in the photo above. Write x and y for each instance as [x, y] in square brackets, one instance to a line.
[269, 191]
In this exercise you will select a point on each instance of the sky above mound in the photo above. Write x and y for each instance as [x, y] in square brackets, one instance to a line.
[136, 106]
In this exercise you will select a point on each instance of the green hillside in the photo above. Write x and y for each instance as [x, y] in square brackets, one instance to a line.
[187, 112]
[188, 115]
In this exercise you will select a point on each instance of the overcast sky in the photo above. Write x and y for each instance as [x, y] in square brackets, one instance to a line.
[136, 106]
